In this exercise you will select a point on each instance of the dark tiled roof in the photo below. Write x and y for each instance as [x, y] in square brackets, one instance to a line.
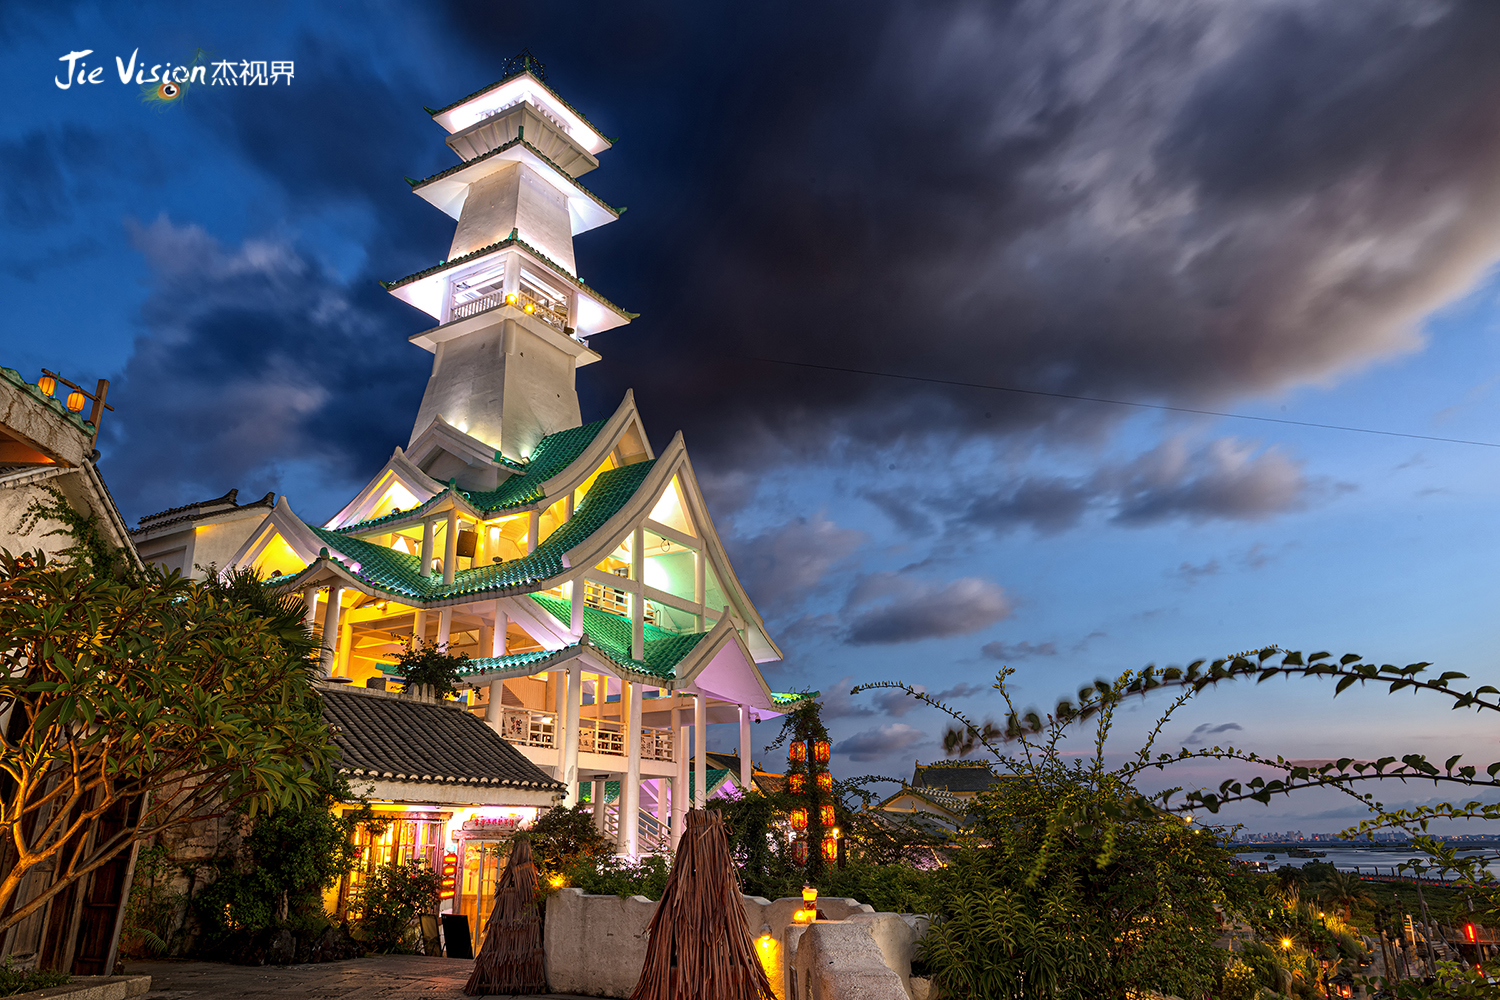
[200, 510]
[955, 777]
[381, 736]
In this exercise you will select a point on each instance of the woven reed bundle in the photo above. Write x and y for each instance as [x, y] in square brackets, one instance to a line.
[511, 960]
[700, 945]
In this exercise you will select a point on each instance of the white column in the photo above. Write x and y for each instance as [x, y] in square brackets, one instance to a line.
[497, 698]
[597, 795]
[310, 596]
[330, 639]
[533, 528]
[663, 816]
[445, 627]
[427, 546]
[745, 766]
[630, 808]
[570, 740]
[559, 718]
[700, 587]
[576, 591]
[680, 785]
[450, 547]
[700, 745]
[638, 599]
[419, 627]
[501, 640]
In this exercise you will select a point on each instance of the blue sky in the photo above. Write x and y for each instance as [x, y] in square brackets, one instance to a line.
[1275, 209]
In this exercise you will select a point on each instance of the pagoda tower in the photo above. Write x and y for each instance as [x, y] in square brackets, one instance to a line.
[514, 319]
[576, 566]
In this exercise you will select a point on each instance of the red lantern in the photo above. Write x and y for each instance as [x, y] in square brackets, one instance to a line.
[796, 784]
[797, 752]
[820, 751]
[830, 849]
[825, 782]
[1469, 933]
[450, 875]
[799, 852]
[799, 819]
[825, 815]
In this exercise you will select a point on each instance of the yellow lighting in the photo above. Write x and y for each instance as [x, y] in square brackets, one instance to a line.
[76, 400]
[47, 384]
[557, 881]
[510, 299]
[809, 894]
[1286, 942]
[531, 307]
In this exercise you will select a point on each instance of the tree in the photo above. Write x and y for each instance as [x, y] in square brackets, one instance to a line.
[426, 664]
[1344, 890]
[152, 698]
[561, 837]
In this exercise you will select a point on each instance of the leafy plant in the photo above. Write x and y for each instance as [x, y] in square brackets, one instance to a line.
[13, 981]
[617, 876]
[562, 838]
[138, 693]
[153, 904]
[392, 898]
[427, 664]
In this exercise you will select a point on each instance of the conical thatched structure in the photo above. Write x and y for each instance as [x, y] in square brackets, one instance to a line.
[510, 962]
[700, 947]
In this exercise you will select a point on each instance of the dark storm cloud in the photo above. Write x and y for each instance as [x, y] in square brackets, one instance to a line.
[886, 608]
[1178, 202]
[254, 360]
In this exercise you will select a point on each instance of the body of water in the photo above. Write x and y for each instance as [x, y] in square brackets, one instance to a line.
[1365, 860]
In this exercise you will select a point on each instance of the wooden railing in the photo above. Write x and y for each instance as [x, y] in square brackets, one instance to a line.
[528, 728]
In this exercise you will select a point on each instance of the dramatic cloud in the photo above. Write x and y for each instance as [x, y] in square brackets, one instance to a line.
[1224, 479]
[886, 608]
[255, 368]
[1008, 651]
[883, 741]
[782, 565]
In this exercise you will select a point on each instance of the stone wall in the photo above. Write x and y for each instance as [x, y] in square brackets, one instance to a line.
[596, 945]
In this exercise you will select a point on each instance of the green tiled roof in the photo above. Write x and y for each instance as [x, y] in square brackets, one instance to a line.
[712, 777]
[484, 665]
[518, 141]
[511, 240]
[553, 454]
[612, 633]
[783, 698]
[400, 573]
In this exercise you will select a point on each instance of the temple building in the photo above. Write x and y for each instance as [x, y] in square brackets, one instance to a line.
[575, 564]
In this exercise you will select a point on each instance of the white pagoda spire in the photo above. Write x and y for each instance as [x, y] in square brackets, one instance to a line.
[514, 317]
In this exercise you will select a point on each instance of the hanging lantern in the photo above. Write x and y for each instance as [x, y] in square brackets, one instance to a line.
[825, 816]
[820, 751]
[77, 400]
[450, 875]
[825, 782]
[799, 819]
[47, 384]
[796, 783]
[797, 752]
[799, 852]
[830, 849]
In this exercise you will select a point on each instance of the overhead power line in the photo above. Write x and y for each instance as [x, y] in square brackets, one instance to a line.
[1127, 402]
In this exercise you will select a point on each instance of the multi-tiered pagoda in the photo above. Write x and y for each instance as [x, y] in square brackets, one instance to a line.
[578, 567]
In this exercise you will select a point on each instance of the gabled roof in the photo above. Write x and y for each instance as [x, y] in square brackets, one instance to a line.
[955, 776]
[398, 739]
[612, 634]
[202, 510]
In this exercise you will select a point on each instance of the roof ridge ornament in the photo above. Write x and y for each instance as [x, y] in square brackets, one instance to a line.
[524, 62]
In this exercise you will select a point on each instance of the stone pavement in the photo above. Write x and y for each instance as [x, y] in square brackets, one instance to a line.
[388, 977]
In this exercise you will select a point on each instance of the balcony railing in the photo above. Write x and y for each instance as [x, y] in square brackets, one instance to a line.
[553, 314]
[527, 728]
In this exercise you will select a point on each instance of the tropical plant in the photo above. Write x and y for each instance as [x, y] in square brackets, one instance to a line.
[1345, 891]
[134, 693]
[391, 899]
[561, 838]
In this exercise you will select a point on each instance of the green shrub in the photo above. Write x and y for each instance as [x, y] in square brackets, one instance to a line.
[560, 838]
[153, 905]
[617, 876]
[13, 981]
[390, 901]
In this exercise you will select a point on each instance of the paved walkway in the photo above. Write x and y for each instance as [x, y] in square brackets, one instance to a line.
[389, 977]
